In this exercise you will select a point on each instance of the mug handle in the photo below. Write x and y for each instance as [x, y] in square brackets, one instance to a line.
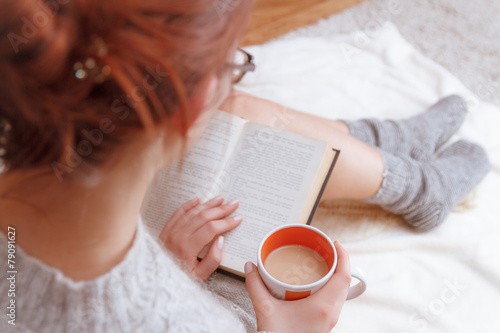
[358, 288]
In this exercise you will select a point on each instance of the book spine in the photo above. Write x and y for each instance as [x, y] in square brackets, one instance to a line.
[318, 199]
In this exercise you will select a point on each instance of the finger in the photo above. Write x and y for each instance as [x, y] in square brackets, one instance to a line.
[215, 201]
[218, 212]
[210, 229]
[182, 210]
[211, 261]
[211, 214]
[186, 223]
[335, 290]
[257, 290]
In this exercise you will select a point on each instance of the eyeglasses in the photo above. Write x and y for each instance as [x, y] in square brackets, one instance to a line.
[243, 63]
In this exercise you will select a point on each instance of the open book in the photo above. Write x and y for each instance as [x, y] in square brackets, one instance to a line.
[277, 176]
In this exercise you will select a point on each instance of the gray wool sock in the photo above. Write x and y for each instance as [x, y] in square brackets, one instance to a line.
[419, 136]
[424, 192]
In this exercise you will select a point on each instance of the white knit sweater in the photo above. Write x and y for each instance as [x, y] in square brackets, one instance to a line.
[146, 292]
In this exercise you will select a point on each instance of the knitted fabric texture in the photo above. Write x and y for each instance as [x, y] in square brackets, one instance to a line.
[418, 137]
[424, 193]
[146, 292]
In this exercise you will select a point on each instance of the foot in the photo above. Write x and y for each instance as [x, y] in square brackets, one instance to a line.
[424, 193]
[418, 137]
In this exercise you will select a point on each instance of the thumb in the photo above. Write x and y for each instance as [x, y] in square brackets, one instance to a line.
[262, 300]
[211, 261]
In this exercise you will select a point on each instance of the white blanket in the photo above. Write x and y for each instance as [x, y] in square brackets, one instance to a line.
[445, 280]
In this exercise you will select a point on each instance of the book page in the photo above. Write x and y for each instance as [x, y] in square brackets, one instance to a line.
[271, 172]
[196, 175]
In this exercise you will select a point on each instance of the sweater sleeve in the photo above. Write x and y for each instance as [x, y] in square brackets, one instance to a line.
[146, 292]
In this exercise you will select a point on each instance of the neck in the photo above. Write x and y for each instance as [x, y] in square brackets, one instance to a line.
[81, 227]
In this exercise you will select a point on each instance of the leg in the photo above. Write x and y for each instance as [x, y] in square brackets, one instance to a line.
[422, 192]
[419, 136]
[358, 173]
[359, 169]
[425, 192]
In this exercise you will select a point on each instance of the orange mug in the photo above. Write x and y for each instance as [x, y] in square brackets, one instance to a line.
[314, 239]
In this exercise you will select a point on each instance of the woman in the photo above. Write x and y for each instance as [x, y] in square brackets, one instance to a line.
[96, 97]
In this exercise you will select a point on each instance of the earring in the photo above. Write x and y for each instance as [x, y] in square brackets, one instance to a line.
[90, 68]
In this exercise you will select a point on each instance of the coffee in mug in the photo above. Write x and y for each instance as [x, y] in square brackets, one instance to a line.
[296, 264]
[296, 260]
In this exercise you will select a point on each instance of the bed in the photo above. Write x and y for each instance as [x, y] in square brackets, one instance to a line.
[445, 280]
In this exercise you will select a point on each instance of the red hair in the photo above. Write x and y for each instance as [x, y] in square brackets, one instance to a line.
[140, 61]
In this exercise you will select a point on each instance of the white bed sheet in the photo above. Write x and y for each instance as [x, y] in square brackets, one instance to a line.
[445, 280]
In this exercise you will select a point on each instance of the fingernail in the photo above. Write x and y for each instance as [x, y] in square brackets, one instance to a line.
[220, 242]
[233, 202]
[193, 201]
[248, 268]
[216, 199]
[237, 218]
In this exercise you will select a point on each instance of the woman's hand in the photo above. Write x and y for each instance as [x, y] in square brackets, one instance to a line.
[193, 226]
[316, 313]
